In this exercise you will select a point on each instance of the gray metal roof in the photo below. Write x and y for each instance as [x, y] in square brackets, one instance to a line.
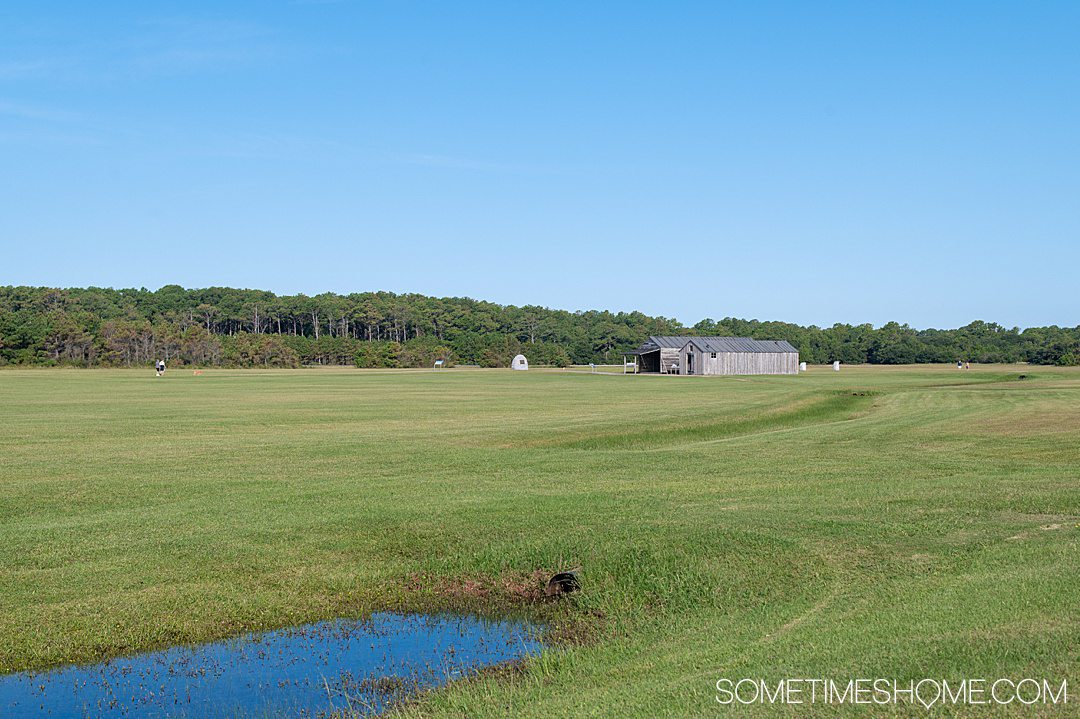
[716, 344]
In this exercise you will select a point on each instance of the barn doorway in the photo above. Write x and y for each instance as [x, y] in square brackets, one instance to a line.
[649, 361]
[690, 362]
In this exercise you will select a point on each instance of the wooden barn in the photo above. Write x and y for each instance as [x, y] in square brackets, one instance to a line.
[715, 356]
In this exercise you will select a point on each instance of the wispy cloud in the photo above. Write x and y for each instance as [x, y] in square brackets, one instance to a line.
[32, 124]
[181, 59]
[148, 47]
[33, 112]
[468, 163]
[180, 44]
[28, 69]
[36, 137]
[461, 163]
[270, 145]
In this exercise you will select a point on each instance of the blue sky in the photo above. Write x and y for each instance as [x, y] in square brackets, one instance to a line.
[810, 162]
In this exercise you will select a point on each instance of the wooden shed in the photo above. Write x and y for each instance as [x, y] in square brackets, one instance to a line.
[716, 356]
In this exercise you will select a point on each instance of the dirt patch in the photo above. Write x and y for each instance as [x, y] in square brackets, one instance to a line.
[567, 623]
[1052, 527]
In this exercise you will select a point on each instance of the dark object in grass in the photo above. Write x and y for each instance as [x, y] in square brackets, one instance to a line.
[1023, 376]
[562, 583]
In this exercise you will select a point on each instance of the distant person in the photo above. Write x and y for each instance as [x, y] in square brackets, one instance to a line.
[959, 364]
[967, 364]
[160, 366]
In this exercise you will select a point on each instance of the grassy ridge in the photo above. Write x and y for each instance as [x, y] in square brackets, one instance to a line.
[928, 529]
[833, 406]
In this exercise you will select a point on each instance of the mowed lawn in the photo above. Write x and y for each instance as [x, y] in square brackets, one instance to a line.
[878, 522]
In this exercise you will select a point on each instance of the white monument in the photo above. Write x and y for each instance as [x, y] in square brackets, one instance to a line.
[836, 365]
[520, 363]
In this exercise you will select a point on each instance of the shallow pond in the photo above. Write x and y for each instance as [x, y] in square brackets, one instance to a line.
[345, 664]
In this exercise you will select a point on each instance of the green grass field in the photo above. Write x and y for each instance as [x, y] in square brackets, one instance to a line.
[877, 522]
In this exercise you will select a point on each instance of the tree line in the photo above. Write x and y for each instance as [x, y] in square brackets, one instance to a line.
[221, 326]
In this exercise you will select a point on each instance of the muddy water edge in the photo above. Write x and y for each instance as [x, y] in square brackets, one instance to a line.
[356, 666]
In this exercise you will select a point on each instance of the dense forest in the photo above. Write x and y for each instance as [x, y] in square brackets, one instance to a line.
[255, 328]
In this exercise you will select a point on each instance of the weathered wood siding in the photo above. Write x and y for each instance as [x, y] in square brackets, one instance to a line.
[684, 361]
[668, 357]
[729, 363]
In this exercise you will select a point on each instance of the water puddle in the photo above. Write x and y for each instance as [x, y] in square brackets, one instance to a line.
[310, 671]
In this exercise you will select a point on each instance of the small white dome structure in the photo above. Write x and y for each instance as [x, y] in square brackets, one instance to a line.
[520, 363]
